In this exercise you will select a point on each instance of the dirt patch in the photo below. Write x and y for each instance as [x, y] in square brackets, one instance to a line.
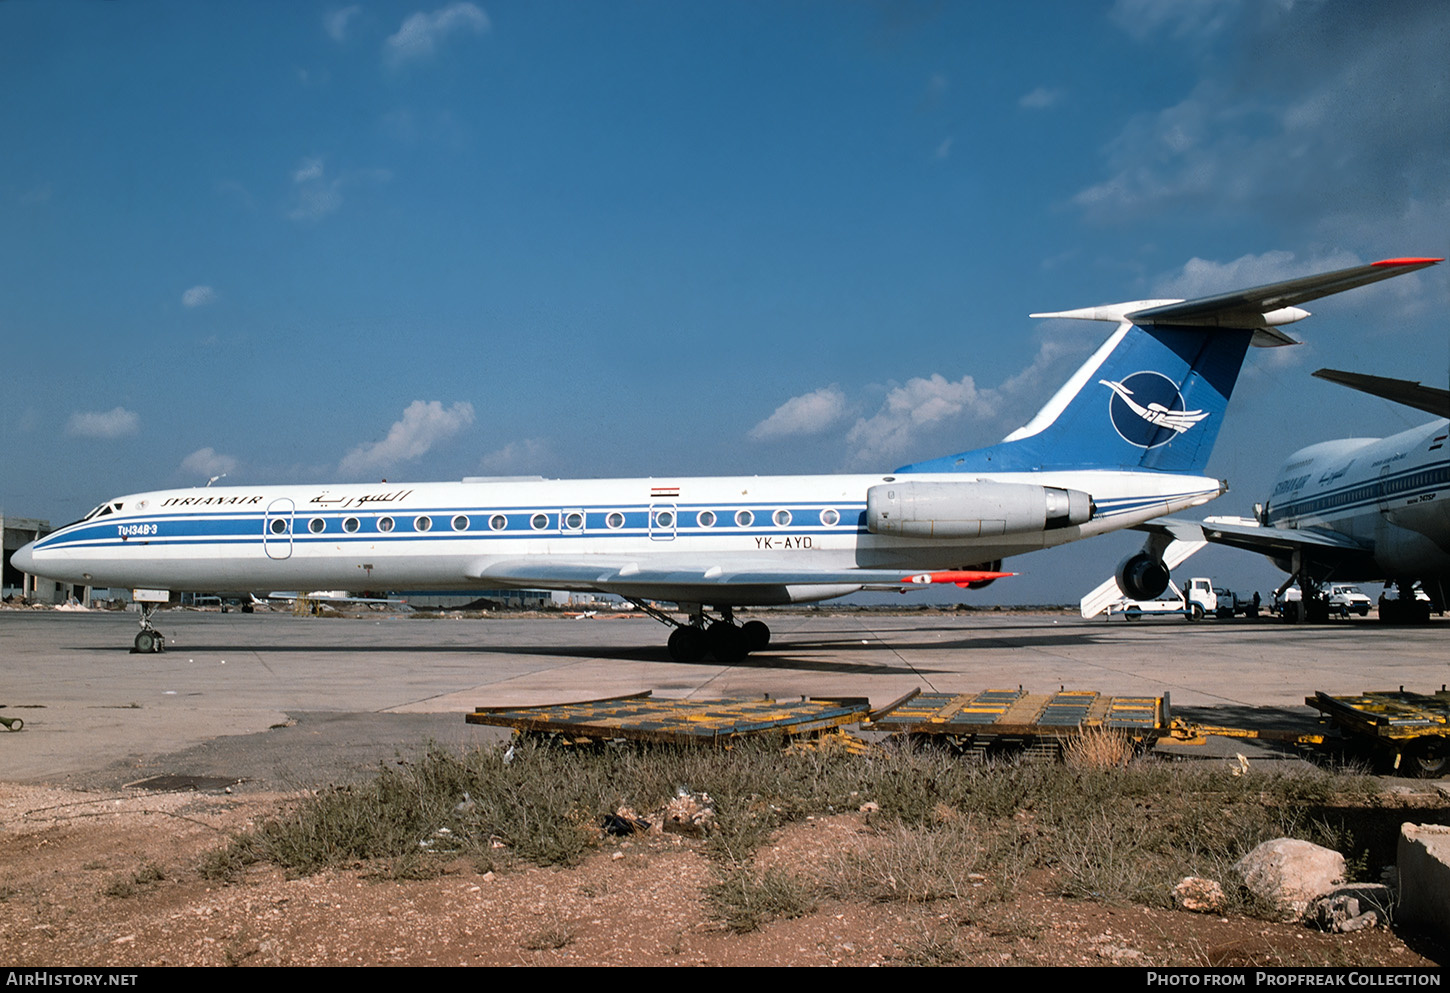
[92, 879]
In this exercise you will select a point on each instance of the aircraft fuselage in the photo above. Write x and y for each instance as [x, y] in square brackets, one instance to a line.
[453, 535]
[1392, 495]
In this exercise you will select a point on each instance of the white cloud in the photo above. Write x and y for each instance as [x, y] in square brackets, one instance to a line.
[115, 423]
[1177, 18]
[310, 169]
[198, 296]
[946, 413]
[425, 423]
[943, 150]
[516, 457]
[1040, 98]
[810, 413]
[312, 204]
[336, 21]
[318, 195]
[208, 463]
[1311, 117]
[421, 33]
[907, 409]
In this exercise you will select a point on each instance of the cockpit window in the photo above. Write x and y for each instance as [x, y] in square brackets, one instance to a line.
[101, 511]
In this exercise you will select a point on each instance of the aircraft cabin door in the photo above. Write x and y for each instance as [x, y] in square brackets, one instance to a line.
[277, 529]
[1385, 490]
[662, 521]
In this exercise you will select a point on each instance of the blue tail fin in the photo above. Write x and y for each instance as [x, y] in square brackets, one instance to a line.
[1149, 398]
[1153, 396]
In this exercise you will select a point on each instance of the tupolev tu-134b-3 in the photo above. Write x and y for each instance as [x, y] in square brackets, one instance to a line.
[1126, 439]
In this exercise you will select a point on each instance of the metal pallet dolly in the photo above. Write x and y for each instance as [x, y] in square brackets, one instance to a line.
[1408, 730]
[976, 723]
[639, 717]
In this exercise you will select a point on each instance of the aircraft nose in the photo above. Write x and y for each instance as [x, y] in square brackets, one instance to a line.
[24, 559]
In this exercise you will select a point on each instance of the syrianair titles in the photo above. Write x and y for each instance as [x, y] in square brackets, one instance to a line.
[1125, 440]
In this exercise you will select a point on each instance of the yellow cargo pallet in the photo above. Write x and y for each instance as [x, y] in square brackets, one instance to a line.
[1412, 728]
[1394, 715]
[639, 717]
[1018, 714]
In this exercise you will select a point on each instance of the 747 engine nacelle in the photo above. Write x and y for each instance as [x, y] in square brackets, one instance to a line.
[971, 509]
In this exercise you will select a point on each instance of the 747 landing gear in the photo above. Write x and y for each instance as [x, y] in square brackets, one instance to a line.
[148, 640]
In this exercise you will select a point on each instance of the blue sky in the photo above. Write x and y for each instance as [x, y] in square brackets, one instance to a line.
[296, 242]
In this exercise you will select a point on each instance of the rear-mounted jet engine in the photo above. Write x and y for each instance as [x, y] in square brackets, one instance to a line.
[971, 509]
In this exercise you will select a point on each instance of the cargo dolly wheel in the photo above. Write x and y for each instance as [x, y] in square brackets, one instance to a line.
[1429, 757]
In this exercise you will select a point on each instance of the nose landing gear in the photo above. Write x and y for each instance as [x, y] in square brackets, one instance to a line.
[149, 641]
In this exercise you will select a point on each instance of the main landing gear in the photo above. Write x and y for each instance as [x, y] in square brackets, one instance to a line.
[1313, 603]
[148, 641]
[727, 641]
[1407, 607]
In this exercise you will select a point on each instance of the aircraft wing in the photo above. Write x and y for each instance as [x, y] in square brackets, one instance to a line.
[1412, 394]
[616, 575]
[1245, 533]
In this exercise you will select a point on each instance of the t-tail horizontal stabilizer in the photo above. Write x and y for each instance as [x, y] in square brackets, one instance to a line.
[1257, 308]
[1154, 394]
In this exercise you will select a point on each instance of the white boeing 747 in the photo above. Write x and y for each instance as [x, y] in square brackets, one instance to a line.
[1354, 510]
[1126, 439]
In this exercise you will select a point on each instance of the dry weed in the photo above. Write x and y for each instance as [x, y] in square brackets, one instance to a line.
[1098, 748]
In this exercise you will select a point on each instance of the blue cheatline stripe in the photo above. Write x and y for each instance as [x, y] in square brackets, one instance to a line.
[235, 529]
[1413, 482]
[302, 539]
[247, 528]
[1127, 505]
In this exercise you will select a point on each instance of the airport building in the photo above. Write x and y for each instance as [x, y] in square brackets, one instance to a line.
[513, 599]
[19, 532]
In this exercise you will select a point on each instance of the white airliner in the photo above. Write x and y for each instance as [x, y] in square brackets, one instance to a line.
[1088, 463]
[1357, 509]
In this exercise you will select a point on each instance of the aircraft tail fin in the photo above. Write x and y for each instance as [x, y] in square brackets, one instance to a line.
[1154, 394]
[1149, 398]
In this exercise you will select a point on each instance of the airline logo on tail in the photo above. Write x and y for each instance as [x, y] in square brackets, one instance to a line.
[1146, 403]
